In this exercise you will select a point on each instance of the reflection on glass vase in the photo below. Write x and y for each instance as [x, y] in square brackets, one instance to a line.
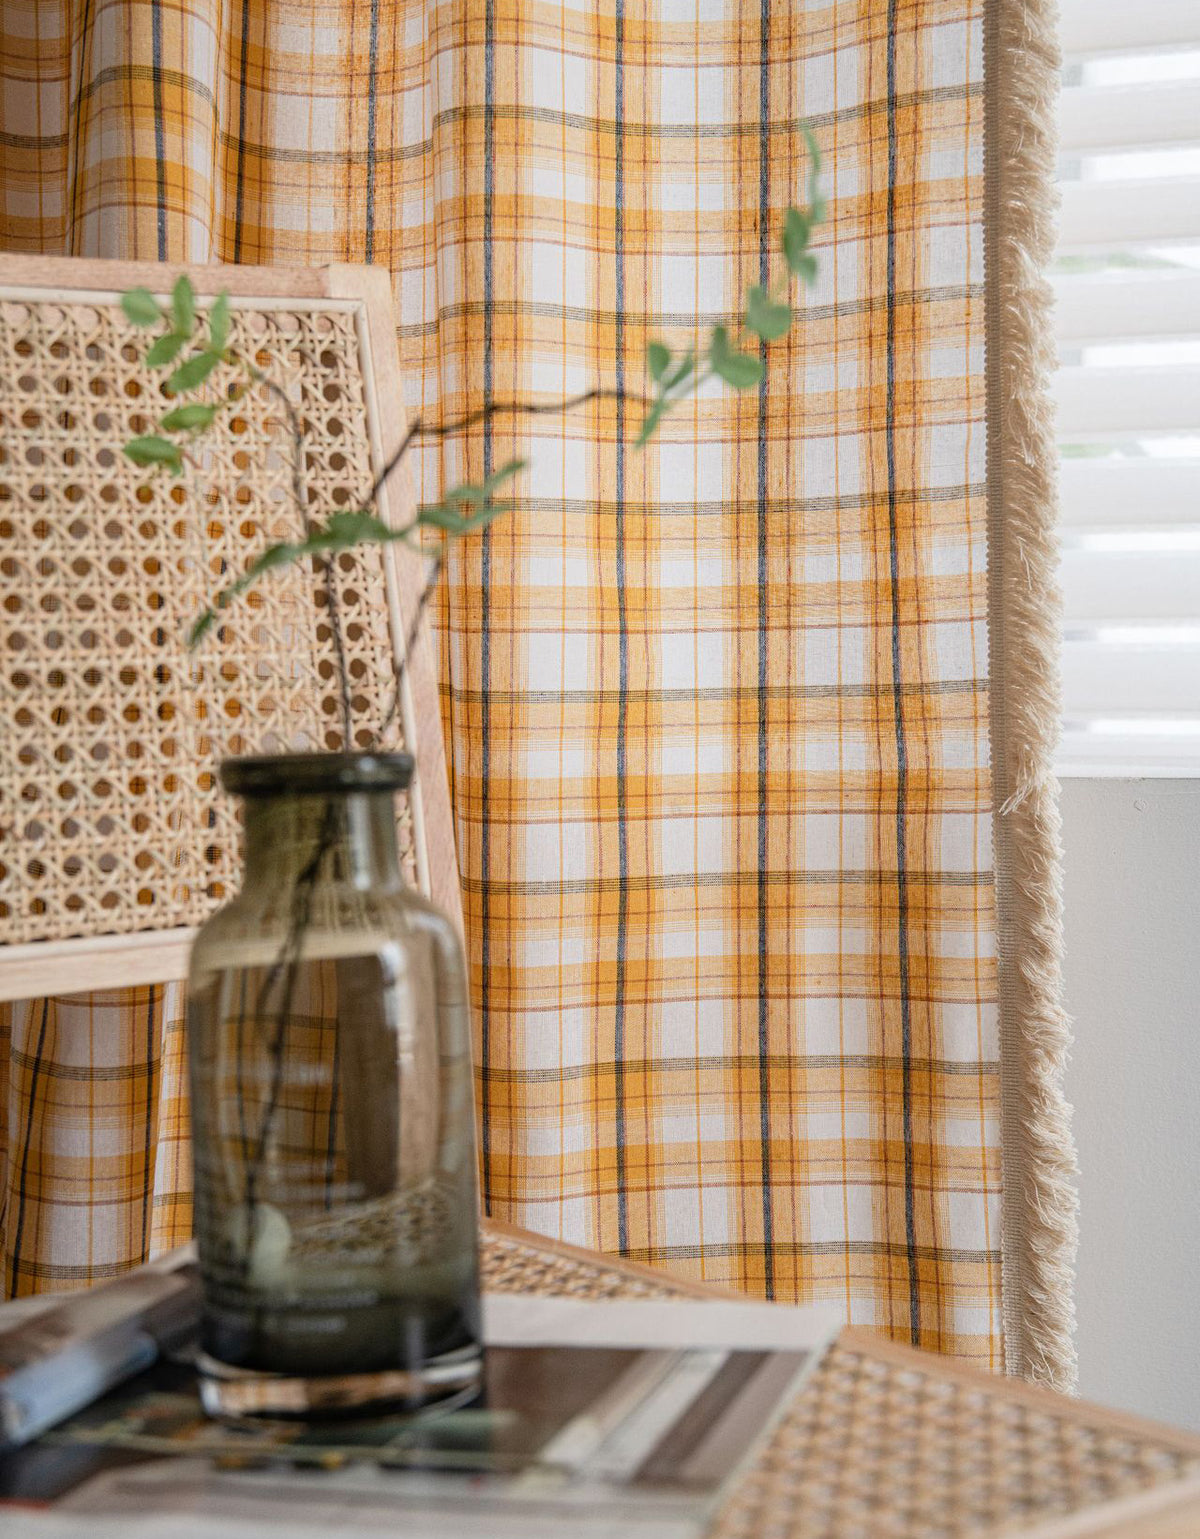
[333, 1119]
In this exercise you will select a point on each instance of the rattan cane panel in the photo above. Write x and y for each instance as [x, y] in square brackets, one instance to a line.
[876, 1448]
[112, 822]
[509, 1266]
[873, 1451]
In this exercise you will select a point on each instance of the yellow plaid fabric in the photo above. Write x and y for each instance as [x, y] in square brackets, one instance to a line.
[96, 1162]
[717, 712]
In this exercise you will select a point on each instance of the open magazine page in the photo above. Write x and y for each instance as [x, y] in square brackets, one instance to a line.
[621, 1417]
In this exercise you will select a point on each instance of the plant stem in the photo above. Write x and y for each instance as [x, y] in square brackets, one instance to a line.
[286, 966]
[324, 565]
[418, 428]
[401, 662]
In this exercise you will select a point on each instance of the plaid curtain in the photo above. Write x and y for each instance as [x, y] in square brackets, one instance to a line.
[717, 712]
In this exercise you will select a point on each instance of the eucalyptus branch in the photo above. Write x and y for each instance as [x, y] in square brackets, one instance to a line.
[194, 350]
[767, 318]
[737, 357]
[193, 418]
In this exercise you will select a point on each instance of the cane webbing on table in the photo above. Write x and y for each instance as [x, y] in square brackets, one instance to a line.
[514, 1262]
[887, 1443]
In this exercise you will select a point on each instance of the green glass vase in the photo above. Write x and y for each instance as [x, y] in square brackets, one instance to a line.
[332, 1110]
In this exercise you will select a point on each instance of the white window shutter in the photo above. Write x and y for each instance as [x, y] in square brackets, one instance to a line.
[1127, 282]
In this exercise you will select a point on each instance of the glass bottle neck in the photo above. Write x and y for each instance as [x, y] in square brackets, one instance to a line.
[350, 836]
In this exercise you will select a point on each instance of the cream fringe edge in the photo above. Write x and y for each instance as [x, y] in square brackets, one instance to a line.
[1039, 1224]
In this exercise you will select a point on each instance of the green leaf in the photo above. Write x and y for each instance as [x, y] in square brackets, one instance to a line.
[340, 532]
[476, 493]
[807, 268]
[183, 305]
[185, 419]
[343, 530]
[192, 373]
[741, 370]
[650, 421]
[282, 553]
[218, 324]
[506, 472]
[796, 232]
[141, 307]
[438, 515]
[677, 376]
[485, 515]
[201, 626]
[152, 450]
[165, 350]
[764, 317]
[658, 360]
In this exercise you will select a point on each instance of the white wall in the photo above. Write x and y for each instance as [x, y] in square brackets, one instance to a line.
[1133, 987]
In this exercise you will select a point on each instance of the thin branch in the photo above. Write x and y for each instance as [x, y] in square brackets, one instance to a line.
[400, 664]
[324, 564]
[418, 428]
[286, 967]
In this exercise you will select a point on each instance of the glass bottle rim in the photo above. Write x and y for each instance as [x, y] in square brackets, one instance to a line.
[316, 774]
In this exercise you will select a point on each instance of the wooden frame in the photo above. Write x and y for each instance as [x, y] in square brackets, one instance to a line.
[92, 959]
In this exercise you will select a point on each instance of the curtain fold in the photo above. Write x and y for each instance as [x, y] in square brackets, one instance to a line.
[717, 713]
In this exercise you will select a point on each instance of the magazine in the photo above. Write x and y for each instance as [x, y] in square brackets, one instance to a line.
[622, 1417]
[60, 1353]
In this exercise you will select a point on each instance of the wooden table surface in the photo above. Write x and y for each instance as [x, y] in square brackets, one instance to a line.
[885, 1442]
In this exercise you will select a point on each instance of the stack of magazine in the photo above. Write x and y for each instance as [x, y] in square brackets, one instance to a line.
[622, 1418]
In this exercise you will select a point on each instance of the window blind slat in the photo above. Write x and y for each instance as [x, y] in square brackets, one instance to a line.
[1127, 324]
[1116, 403]
[1105, 588]
[1150, 306]
[1142, 749]
[1120, 679]
[1095, 119]
[1112, 216]
[1126, 493]
[1094, 27]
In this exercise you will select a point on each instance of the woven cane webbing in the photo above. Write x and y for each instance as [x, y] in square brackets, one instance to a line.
[880, 1446]
[112, 729]
[875, 1451]
[511, 1266]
